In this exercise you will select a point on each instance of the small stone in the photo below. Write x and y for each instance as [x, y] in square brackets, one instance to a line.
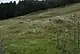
[66, 30]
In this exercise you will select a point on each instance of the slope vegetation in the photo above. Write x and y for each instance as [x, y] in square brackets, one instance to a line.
[52, 31]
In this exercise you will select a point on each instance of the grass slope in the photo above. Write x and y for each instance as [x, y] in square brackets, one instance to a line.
[31, 35]
[52, 12]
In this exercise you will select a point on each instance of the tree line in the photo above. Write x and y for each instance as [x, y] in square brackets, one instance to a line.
[11, 9]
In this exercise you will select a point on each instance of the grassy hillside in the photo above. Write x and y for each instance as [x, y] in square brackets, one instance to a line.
[52, 12]
[53, 31]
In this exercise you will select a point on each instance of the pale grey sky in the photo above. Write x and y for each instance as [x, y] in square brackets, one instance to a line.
[4, 1]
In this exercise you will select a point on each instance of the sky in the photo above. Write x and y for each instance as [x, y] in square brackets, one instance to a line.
[4, 1]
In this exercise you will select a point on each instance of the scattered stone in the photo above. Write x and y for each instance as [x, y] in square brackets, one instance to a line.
[66, 30]
[28, 20]
[21, 22]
